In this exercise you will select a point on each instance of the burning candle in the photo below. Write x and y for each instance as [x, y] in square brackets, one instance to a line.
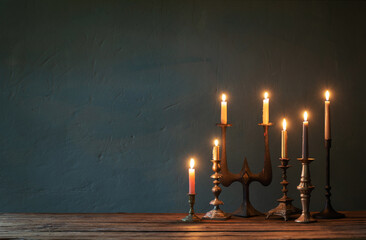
[191, 173]
[284, 140]
[265, 108]
[305, 146]
[223, 109]
[327, 117]
[215, 150]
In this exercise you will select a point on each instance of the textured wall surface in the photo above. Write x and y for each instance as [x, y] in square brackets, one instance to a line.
[103, 102]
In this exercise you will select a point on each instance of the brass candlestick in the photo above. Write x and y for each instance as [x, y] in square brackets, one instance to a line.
[285, 207]
[191, 217]
[328, 211]
[216, 213]
[245, 177]
[305, 187]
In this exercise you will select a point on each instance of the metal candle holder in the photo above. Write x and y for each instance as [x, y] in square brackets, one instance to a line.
[305, 187]
[328, 211]
[285, 207]
[191, 217]
[245, 177]
[216, 213]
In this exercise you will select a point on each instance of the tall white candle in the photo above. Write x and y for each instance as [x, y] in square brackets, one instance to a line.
[223, 109]
[284, 140]
[215, 150]
[265, 108]
[305, 145]
[327, 117]
[191, 173]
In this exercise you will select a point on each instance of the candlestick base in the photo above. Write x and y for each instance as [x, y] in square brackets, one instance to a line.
[305, 218]
[328, 213]
[191, 217]
[216, 214]
[246, 209]
[284, 209]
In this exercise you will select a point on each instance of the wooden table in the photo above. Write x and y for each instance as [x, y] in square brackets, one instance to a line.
[169, 226]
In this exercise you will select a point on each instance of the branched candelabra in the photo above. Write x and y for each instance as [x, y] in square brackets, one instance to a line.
[245, 177]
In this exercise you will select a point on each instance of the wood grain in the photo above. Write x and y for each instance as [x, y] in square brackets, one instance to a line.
[169, 226]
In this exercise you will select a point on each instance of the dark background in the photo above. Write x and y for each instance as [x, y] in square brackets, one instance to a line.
[102, 103]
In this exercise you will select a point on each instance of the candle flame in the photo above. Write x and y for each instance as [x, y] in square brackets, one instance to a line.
[223, 97]
[216, 142]
[284, 124]
[191, 163]
[327, 94]
[305, 116]
[266, 95]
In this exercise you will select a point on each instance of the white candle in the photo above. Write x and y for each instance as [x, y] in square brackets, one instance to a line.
[223, 109]
[191, 173]
[284, 140]
[265, 108]
[327, 117]
[305, 145]
[215, 150]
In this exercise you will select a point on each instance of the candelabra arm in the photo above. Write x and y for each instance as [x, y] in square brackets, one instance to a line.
[227, 177]
[265, 176]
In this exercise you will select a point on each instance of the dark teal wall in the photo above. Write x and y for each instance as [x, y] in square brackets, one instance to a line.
[103, 102]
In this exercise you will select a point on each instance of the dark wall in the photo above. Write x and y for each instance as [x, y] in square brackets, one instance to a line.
[103, 102]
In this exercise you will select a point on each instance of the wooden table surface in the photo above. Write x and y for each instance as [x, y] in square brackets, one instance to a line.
[169, 226]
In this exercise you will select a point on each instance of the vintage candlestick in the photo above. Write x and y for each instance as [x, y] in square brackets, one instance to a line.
[305, 187]
[245, 177]
[328, 211]
[191, 217]
[285, 208]
[216, 213]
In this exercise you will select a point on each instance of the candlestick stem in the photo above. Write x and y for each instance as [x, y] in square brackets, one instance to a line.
[328, 211]
[191, 217]
[305, 187]
[216, 213]
[285, 208]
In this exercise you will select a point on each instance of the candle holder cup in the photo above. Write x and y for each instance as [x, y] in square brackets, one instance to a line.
[285, 208]
[245, 177]
[328, 211]
[305, 187]
[191, 217]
